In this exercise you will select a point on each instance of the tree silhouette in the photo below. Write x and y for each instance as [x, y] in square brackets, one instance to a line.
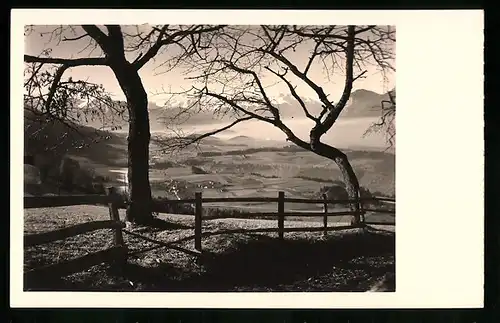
[124, 50]
[230, 79]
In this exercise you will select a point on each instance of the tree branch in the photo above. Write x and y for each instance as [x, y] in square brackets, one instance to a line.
[116, 39]
[98, 35]
[53, 87]
[346, 44]
[269, 105]
[181, 34]
[275, 122]
[294, 94]
[328, 36]
[94, 61]
[315, 52]
[319, 91]
[141, 60]
[191, 141]
[75, 38]
[334, 113]
[238, 108]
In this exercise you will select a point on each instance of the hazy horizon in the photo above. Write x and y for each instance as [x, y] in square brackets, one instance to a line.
[346, 133]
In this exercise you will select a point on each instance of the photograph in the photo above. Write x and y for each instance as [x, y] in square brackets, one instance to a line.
[209, 158]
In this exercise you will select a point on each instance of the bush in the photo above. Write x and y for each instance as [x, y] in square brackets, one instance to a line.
[209, 212]
[163, 164]
[333, 192]
[338, 192]
[198, 170]
[338, 182]
[159, 202]
[73, 177]
[365, 193]
[69, 169]
[124, 196]
[194, 162]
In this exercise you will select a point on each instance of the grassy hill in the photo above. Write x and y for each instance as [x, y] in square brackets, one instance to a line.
[49, 141]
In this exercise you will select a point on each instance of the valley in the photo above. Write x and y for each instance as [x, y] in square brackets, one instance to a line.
[252, 159]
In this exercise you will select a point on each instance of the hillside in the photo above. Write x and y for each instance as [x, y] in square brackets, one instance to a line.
[49, 141]
[43, 135]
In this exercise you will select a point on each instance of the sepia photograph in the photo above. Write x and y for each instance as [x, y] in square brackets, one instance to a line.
[246, 159]
[209, 158]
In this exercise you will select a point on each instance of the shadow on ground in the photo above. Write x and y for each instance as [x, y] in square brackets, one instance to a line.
[158, 225]
[341, 264]
[353, 262]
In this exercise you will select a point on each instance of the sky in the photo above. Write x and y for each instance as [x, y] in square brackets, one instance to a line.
[156, 82]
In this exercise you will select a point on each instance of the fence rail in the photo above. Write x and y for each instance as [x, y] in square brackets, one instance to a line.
[379, 223]
[68, 267]
[280, 215]
[276, 200]
[378, 211]
[61, 234]
[64, 200]
[115, 255]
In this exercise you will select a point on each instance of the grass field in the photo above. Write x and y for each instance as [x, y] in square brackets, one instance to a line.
[346, 260]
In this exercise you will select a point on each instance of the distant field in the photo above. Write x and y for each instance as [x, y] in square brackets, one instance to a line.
[264, 171]
[235, 166]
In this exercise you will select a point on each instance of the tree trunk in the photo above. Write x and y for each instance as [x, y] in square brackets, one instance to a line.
[349, 176]
[351, 185]
[140, 200]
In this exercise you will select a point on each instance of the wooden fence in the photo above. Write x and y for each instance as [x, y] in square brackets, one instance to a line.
[199, 201]
[118, 252]
[115, 255]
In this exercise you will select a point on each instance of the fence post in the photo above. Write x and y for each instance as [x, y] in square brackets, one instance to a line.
[114, 215]
[281, 214]
[198, 211]
[325, 215]
[354, 206]
[362, 213]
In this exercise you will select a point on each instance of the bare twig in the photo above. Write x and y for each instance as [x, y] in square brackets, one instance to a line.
[65, 61]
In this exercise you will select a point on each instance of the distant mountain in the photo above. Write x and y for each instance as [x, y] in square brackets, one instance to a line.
[363, 103]
[161, 118]
[239, 138]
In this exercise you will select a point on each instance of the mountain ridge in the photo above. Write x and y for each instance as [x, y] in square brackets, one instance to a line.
[362, 103]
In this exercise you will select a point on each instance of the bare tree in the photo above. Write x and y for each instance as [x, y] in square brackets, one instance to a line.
[124, 51]
[232, 77]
